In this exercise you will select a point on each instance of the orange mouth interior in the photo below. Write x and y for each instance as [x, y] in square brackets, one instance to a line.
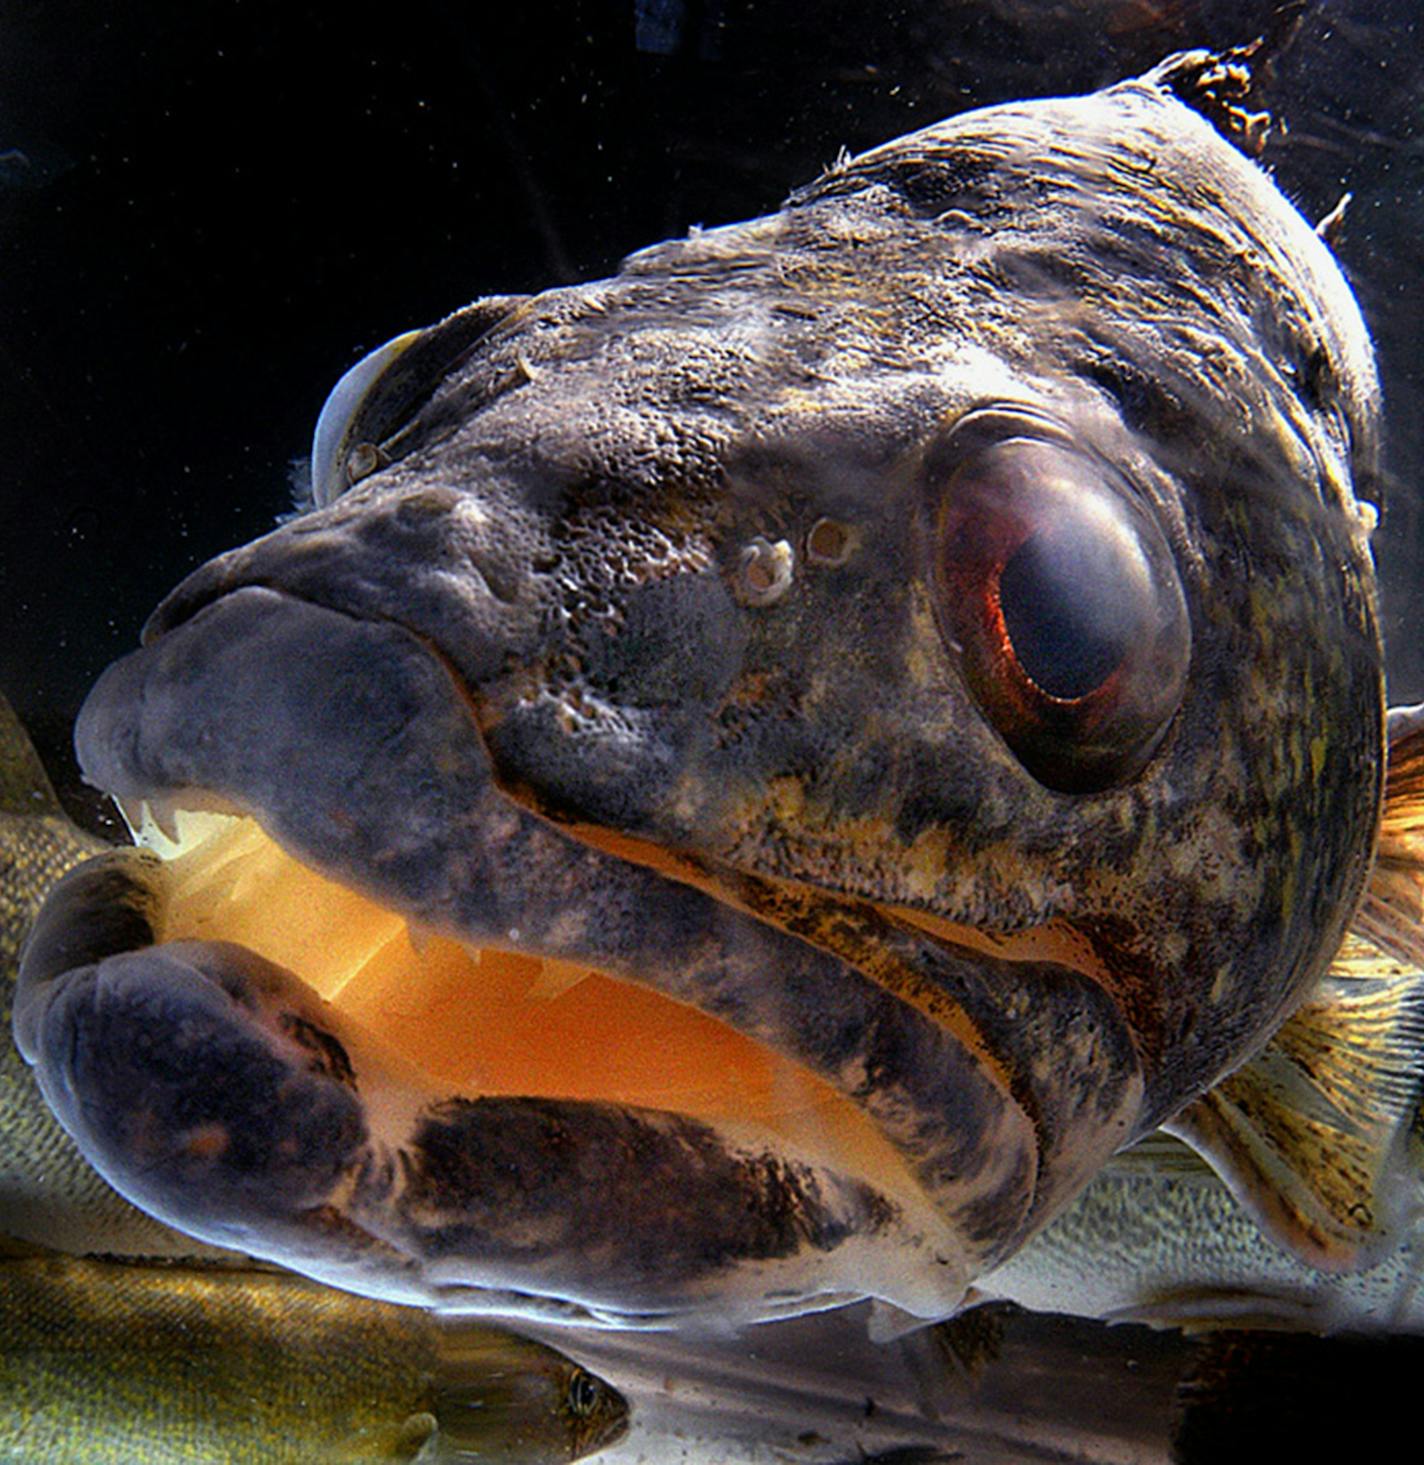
[498, 1022]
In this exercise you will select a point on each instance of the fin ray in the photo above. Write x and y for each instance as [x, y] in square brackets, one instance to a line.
[1311, 1135]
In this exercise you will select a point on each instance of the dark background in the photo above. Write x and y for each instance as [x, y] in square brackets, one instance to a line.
[208, 211]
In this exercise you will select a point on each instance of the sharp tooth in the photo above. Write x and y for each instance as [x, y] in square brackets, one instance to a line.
[555, 978]
[132, 810]
[419, 937]
[165, 816]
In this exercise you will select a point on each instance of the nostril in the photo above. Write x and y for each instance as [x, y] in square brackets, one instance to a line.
[499, 579]
[426, 504]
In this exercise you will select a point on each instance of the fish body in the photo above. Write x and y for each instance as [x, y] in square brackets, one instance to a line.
[757, 776]
[121, 1362]
[1157, 1237]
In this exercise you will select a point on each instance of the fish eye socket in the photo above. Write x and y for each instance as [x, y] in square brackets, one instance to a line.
[1061, 595]
[584, 1393]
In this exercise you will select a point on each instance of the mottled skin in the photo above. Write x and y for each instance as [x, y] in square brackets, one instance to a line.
[534, 623]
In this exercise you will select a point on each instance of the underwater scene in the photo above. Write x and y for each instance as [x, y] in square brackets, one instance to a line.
[711, 731]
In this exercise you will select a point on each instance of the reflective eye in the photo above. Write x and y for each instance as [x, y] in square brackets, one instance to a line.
[1061, 594]
[584, 1393]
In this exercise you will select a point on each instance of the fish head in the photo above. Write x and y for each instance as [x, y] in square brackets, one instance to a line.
[889, 691]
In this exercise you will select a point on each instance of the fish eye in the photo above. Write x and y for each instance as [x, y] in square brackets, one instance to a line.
[585, 1393]
[1059, 591]
[361, 424]
[340, 454]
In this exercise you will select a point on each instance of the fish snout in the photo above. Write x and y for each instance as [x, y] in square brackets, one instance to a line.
[458, 567]
[350, 736]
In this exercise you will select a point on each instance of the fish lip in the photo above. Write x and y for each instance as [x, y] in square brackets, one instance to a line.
[370, 768]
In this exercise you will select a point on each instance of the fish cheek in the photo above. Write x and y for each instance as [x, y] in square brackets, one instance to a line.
[605, 727]
[678, 643]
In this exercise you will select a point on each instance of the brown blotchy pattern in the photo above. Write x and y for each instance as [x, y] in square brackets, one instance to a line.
[624, 1193]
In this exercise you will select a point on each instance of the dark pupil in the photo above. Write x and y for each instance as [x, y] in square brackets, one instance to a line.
[1070, 612]
[583, 1393]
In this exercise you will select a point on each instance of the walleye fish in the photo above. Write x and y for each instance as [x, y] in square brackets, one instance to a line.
[107, 1361]
[756, 777]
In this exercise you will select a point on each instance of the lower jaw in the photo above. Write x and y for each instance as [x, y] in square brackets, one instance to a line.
[462, 1024]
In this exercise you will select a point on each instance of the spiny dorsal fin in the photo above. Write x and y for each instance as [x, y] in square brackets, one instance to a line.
[1313, 1135]
[24, 788]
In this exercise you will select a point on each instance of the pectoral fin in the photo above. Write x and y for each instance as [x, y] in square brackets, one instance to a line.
[1391, 915]
[1312, 1134]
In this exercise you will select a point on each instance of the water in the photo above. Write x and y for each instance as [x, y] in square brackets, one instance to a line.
[206, 213]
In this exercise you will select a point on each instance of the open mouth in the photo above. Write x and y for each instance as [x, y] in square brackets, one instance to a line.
[486, 1021]
[360, 1011]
